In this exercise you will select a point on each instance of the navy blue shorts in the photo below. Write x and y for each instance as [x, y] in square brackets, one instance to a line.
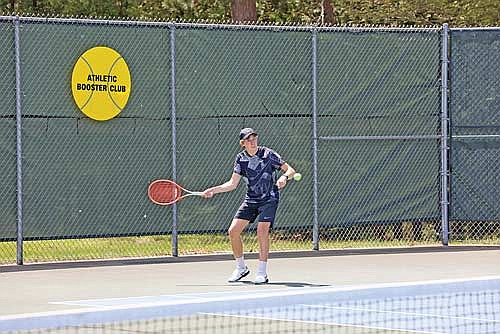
[266, 212]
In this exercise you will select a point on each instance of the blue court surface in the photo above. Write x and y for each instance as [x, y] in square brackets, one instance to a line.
[443, 306]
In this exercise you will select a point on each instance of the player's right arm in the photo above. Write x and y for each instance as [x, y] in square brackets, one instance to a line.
[225, 187]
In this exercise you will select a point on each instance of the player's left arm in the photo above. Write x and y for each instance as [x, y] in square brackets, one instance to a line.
[287, 175]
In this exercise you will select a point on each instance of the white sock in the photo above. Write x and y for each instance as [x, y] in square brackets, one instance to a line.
[240, 262]
[263, 267]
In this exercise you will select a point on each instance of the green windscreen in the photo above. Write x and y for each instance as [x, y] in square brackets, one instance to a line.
[475, 124]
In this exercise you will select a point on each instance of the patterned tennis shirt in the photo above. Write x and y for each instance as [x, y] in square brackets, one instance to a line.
[259, 173]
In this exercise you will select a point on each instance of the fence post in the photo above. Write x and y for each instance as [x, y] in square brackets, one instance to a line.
[19, 151]
[174, 137]
[444, 136]
[315, 139]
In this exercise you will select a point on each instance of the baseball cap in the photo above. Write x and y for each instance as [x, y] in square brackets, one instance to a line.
[247, 132]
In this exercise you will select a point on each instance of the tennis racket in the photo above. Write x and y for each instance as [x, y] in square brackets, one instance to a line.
[166, 192]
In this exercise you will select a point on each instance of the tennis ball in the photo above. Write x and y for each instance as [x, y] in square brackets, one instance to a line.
[101, 83]
[297, 176]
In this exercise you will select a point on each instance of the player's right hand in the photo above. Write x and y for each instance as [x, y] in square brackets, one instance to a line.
[208, 193]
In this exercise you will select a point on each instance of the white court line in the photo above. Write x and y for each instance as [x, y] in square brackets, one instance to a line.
[269, 293]
[385, 329]
[402, 313]
[126, 300]
[131, 300]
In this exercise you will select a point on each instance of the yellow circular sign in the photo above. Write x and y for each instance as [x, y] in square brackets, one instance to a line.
[101, 83]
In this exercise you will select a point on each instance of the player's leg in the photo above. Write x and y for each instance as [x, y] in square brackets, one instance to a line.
[263, 237]
[237, 226]
[266, 220]
[243, 217]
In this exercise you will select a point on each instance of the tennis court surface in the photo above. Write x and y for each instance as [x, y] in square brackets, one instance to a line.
[445, 305]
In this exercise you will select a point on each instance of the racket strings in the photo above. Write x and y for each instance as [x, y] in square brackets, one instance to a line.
[165, 192]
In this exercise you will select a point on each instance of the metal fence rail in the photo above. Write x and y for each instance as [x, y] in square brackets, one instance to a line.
[360, 112]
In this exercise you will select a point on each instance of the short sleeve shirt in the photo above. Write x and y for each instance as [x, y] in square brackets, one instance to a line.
[259, 173]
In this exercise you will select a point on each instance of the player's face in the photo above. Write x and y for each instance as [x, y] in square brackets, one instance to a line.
[250, 144]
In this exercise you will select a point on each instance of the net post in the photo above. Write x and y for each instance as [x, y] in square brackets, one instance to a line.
[19, 160]
[444, 137]
[315, 138]
[175, 251]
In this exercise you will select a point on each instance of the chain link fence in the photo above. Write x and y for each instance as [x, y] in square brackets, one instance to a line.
[475, 126]
[356, 111]
[379, 107]
[84, 181]
[228, 79]
[8, 199]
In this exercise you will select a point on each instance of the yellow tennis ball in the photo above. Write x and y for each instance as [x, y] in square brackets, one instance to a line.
[297, 176]
[101, 83]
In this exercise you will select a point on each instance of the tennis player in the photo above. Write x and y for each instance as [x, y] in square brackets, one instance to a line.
[258, 165]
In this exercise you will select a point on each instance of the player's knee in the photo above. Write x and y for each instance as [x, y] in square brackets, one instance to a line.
[233, 232]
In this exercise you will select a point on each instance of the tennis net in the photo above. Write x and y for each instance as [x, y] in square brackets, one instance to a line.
[452, 306]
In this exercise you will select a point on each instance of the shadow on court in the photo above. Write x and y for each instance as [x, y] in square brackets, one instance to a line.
[287, 284]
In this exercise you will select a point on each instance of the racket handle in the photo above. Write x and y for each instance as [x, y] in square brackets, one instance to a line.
[197, 193]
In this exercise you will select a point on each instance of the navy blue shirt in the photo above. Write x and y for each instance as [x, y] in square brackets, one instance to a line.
[258, 172]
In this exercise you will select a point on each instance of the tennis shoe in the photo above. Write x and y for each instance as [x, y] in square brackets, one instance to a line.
[238, 274]
[261, 279]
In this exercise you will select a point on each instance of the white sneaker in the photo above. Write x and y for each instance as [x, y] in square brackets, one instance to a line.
[261, 279]
[238, 274]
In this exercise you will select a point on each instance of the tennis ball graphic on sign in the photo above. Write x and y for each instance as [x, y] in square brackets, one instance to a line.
[101, 83]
